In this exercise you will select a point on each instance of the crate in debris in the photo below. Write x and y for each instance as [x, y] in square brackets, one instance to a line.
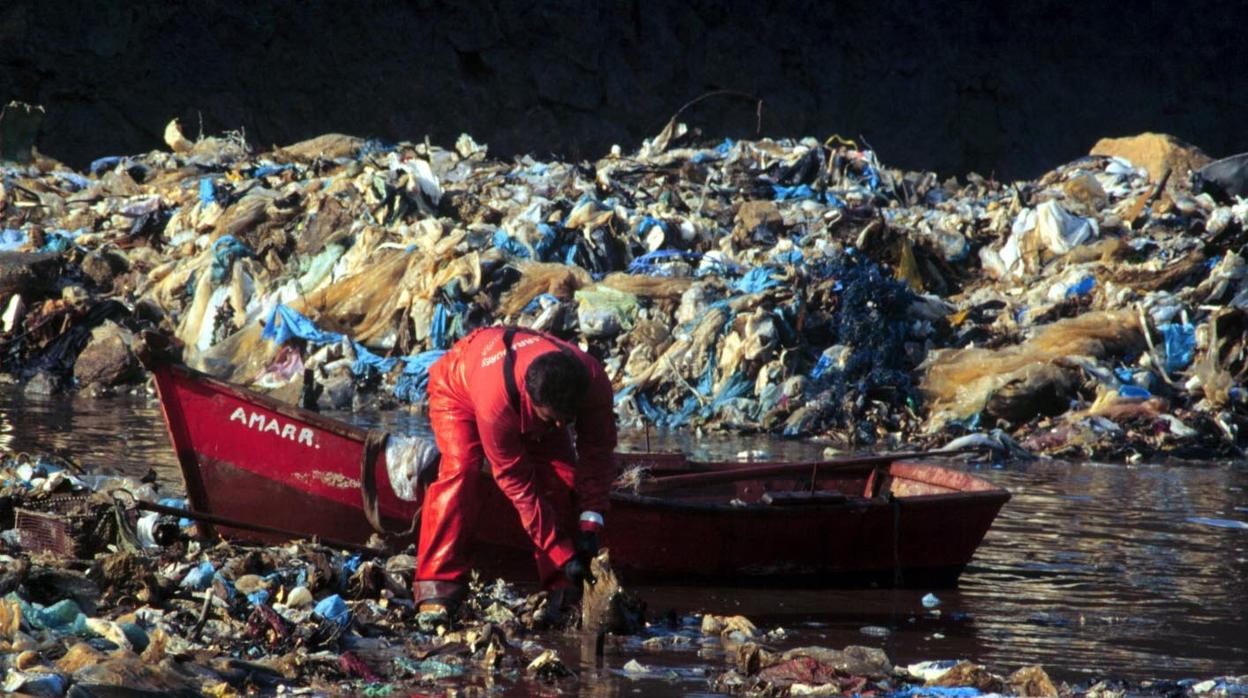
[69, 526]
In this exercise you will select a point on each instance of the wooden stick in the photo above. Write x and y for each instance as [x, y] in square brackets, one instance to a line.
[203, 615]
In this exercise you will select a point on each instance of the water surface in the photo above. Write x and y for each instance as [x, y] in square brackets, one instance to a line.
[1091, 570]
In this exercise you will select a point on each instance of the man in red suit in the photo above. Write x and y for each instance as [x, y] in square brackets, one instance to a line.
[512, 396]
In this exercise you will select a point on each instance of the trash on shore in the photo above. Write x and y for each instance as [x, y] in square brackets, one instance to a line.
[96, 594]
[90, 598]
[796, 287]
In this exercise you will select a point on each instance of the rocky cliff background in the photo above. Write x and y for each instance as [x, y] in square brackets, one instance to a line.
[999, 88]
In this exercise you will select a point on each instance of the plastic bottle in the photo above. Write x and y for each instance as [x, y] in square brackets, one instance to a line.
[158, 530]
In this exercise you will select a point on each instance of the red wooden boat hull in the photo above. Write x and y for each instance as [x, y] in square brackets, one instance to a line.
[247, 457]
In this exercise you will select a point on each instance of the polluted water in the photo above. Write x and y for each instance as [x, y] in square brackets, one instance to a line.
[1093, 572]
[735, 291]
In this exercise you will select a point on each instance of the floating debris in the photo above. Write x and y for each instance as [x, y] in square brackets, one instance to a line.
[194, 616]
[1220, 523]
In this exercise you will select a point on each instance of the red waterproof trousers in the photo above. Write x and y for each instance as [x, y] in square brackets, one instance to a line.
[534, 464]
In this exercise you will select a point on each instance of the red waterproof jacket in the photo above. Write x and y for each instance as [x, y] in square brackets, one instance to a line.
[472, 374]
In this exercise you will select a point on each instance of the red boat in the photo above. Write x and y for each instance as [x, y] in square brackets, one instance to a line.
[253, 461]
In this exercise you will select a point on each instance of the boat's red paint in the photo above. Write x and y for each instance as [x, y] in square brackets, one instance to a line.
[250, 458]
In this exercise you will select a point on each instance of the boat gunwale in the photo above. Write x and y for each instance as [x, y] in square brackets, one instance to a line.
[358, 433]
[862, 503]
[335, 426]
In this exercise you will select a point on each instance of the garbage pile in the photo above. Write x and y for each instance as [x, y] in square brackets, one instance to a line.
[96, 596]
[797, 287]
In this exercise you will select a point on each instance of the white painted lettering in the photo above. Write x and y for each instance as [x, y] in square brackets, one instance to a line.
[290, 431]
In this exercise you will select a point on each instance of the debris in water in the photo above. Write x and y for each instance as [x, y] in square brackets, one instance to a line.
[1220, 523]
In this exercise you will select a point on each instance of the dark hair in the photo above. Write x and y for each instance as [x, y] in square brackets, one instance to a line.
[557, 380]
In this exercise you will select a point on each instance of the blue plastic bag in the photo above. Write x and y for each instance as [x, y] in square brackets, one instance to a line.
[63, 616]
[547, 239]
[177, 504]
[100, 165]
[198, 578]
[73, 178]
[286, 323]
[1180, 345]
[225, 250]
[11, 239]
[537, 303]
[936, 692]
[266, 170]
[801, 191]
[650, 262]
[414, 383]
[1082, 288]
[510, 245]
[755, 280]
[804, 191]
[821, 367]
[439, 327]
[1134, 392]
[352, 564]
[333, 608]
[59, 240]
[207, 192]
[647, 223]
[789, 257]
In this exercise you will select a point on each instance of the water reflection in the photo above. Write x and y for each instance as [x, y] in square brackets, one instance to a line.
[1090, 569]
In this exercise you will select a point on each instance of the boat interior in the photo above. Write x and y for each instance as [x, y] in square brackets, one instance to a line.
[670, 476]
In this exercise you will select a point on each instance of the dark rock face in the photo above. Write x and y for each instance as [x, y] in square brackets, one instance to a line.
[1004, 88]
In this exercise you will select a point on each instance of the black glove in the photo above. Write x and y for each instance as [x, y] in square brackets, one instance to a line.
[586, 544]
[578, 572]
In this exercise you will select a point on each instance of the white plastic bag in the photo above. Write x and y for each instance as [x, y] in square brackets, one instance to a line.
[406, 458]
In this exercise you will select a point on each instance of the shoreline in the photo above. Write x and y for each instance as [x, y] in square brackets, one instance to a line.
[144, 603]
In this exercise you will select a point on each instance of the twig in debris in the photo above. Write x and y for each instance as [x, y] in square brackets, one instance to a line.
[632, 478]
[706, 187]
[667, 361]
[758, 108]
[203, 616]
[1152, 349]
